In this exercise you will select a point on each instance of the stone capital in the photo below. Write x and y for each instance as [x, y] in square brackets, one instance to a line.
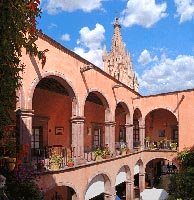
[129, 182]
[129, 125]
[142, 126]
[77, 119]
[141, 174]
[110, 123]
[24, 112]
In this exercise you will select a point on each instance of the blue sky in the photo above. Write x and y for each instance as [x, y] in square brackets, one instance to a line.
[159, 34]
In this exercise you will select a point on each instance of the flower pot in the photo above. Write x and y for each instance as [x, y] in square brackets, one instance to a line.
[108, 156]
[11, 162]
[123, 152]
[70, 164]
[54, 166]
[98, 158]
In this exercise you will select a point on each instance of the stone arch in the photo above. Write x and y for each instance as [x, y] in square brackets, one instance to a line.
[123, 133]
[158, 170]
[157, 108]
[170, 159]
[139, 176]
[104, 100]
[138, 113]
[61, 79]
[126, 109]
[161, 125]
[124, 182]
[20, 93]
[98, 184]
[138, 128]
[127, 171]
[55, 187]
[141, 165]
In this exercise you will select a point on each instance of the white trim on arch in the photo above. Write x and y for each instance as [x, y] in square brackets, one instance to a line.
[121, 176]
[96, 187]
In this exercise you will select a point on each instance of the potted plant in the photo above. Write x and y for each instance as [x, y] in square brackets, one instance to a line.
[173, 146]
[124, 150]
[152, 146]
[70, 162]
[55, 161]
[147, 142]
[107, 153]
[98, 154]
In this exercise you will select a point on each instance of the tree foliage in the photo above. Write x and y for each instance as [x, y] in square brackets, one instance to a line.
[182, 186]
[17, 33]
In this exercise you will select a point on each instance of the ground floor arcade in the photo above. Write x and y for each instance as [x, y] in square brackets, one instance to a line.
[97, 181]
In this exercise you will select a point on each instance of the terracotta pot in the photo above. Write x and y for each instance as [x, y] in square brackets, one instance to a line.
[108, 156]
[124, 152]
[11, 163]
[70, 164]
[98, 158]
[54, 166]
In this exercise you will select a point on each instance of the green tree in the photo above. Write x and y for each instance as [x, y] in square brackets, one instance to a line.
[18, 34]
[181, 186]
[17, 31]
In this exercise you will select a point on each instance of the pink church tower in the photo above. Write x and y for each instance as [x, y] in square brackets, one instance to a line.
[117, 63]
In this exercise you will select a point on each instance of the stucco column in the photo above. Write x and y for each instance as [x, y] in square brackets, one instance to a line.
[129, 189]
[129, 135]
[78, 136]
[141, 182]
[142, 136]
[74, 197]
[110, 195]
[24, 128]
[110, 135]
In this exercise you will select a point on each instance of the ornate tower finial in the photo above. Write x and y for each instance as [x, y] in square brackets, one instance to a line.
[117, 63]
[116, 23]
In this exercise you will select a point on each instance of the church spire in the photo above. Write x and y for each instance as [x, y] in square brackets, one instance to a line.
[117, 63]
[117, 43]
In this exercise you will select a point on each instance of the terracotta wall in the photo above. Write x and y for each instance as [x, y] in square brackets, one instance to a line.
[160, 120]
[94, 114]
[120, 119]
[179, 104]
[186, 119]
[57, 108]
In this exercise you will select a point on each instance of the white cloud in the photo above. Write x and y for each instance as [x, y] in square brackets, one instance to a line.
[52, 25]
[144, 57]
[65, 37]
[90, 44]
[55, 6]
[185, 10]
[143, 12]
[168, 75]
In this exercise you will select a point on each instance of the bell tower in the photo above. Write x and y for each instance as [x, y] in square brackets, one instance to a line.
[117, 63]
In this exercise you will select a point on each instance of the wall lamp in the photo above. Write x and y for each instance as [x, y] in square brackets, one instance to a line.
[86, 68]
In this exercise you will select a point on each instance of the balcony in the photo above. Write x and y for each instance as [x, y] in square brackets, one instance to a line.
[42, 160]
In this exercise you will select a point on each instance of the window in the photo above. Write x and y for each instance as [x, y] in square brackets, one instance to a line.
[136, 138]
[122, 134]
[36, 140]
[97, 136]
[175, 135]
